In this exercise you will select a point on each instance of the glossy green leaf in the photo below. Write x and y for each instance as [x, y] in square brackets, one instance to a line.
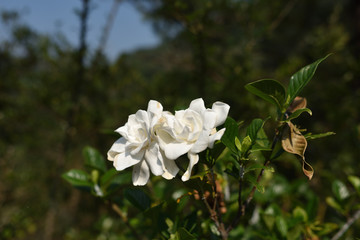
[254, 128]
[298, 112]
[340, 190]
[138, 198]
[310, 136]
[260, 187]
[232, 131]
[94, 159]
[78, 178]
[268, 89]
[355, 181]
[299, 80]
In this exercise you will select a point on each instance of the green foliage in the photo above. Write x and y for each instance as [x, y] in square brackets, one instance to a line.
[47, 116]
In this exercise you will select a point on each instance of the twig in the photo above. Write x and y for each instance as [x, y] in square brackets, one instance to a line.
[347, 225]
[116, 208]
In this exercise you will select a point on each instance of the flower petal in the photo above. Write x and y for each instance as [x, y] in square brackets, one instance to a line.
[140, 174]
[125, 159]
[222, 110]
[215, 137]
[174, 150]
[202, 143]
[209, 119]
[197, 105]
[194, 158]
[151, 156]
[170, 167]
[154, 107]
[116, 148]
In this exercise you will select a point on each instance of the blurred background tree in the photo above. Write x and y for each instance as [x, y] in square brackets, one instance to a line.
[56, 98]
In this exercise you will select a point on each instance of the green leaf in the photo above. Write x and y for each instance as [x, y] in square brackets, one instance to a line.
[268, 89]
[258, 186]
[78, 178]
[257, 166]
[138, 198]
[355, 181]
[237, 143]
[245, 145]
[340, 190]
[298, 112]
[310, 136]
[184, 234]
[299, 80]
[281, 225]
[333, 203]
[254, 128]
[300, 213]
[94, 159]
[232, 131]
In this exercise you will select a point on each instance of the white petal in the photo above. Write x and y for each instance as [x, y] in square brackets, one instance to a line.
[209, 119]
[202, 143]
[215, 137]
[197, 105]
[123, 131]
[116, 148]
[222, 110]
[142, 116]
[151, 156]
[125, 160]
[154, 107]
[194, 158]
[140, 174]
[176, 149]
[170, 167]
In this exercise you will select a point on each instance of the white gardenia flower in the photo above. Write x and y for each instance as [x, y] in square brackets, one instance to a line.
[190, 131]
[137, 146]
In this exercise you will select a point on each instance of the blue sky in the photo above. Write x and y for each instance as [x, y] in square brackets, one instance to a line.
[129, 31]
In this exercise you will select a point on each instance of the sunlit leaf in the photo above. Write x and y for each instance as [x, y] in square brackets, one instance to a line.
[300, 213]
[78, 178]
[245, 145]
[333, 203]
[340, 190]
[355, 181]
[299, 80]
[269, 90]
[310, 136]
[94, 159]
[281, 225]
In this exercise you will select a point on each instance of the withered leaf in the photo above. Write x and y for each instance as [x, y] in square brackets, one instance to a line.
[298, 103]
[294, 142]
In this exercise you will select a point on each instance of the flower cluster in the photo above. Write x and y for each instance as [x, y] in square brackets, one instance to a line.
[152, 140]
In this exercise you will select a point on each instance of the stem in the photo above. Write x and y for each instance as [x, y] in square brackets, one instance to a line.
[241, 209]
[346, 226]
[116, 208]
[215, 213]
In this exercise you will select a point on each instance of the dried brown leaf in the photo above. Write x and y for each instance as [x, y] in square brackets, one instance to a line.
[298, 103]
